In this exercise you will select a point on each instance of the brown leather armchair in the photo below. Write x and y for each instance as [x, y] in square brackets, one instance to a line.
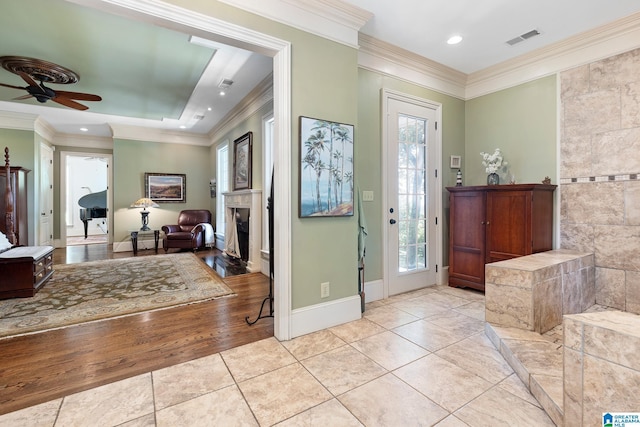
[189, 232]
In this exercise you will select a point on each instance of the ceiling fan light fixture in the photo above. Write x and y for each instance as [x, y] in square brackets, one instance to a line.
[32, 69]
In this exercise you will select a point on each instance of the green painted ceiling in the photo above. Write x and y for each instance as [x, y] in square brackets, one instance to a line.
[139, 69]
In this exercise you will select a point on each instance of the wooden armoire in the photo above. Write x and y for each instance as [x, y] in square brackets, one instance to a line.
[18, 177]
[491, 223]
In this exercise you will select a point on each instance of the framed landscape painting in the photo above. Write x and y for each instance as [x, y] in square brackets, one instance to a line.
[242, 148]
[326, 168]
[166, 187]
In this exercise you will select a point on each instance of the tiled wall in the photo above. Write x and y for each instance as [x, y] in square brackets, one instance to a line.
[599, 173]
[601, 366]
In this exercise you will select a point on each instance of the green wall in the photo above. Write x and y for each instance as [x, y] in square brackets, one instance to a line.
[253, 124]
[327, 84]
[131, 159]
[324, 86]
[368, 154]
[521, 121]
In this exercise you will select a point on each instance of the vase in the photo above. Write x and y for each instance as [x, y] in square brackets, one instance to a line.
[493, 179]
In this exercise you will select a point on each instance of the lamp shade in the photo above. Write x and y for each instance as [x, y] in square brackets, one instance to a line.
[144, 202]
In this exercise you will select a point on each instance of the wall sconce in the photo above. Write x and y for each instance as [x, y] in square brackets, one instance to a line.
[212, 187]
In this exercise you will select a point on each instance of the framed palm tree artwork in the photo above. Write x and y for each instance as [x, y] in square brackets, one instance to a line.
[326, 168]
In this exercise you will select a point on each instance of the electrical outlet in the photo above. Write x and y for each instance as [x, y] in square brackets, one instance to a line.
[324, 290]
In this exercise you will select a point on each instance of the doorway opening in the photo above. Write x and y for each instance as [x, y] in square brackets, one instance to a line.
[85, 198]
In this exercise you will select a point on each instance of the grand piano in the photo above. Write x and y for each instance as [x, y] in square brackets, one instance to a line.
[92, 205]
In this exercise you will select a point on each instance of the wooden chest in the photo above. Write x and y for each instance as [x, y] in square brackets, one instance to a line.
[24, 270]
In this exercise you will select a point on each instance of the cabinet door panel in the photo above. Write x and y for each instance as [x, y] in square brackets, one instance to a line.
[508, 233]
[467, 238]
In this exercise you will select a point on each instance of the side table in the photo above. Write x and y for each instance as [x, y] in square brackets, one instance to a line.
[136, 233]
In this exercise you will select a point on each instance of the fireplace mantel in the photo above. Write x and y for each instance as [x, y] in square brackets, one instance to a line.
[252, 200]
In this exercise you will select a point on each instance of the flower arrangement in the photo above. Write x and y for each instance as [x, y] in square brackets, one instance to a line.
[493, 162]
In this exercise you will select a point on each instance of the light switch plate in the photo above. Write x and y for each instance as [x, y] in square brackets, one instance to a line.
[367, 196]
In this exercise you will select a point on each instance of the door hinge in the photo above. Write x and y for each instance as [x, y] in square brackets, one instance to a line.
[436, 268]
[436, 173]
[436, 220]
[436, 125]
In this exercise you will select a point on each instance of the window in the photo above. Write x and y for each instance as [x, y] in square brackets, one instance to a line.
[222, 179]
[267, 154]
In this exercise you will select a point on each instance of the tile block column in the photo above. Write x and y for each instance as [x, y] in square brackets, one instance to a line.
[534, 292]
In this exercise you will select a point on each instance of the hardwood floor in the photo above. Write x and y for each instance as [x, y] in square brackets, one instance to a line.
[41, 367]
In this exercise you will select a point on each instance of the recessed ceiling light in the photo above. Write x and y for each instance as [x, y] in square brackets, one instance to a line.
[183, 127]
[84, 129]
[209, 109]
[222, 93]
[454, 39]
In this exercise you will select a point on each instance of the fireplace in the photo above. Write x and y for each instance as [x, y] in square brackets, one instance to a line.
[245, 205]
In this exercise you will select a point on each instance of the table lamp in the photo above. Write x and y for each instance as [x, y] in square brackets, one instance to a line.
[144, 203]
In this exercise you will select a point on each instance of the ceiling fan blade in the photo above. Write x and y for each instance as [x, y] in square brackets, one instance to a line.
[27, 78]
[69, 103]
[11, 86]
[78, 95]
[23, 97]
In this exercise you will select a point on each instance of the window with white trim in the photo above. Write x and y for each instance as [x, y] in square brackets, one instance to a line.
[222, 178]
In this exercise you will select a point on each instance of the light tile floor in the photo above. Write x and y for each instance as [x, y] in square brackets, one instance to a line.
[417, 359]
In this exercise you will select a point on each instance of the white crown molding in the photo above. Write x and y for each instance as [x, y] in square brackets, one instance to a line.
[332, 19]
[138, 133]
[617, 37]
[44, 129]
[19, 121]
[82, 141]
[380, 56]
[602, 42]
[251, 103]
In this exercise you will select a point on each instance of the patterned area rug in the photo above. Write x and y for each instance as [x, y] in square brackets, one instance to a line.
[89, 291]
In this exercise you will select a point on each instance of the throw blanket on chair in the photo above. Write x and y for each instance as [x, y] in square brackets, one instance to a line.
[209, 235]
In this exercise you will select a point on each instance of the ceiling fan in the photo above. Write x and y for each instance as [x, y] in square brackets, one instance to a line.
[32, 69]
[43, 94]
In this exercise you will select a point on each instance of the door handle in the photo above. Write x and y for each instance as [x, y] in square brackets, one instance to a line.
[392, 221]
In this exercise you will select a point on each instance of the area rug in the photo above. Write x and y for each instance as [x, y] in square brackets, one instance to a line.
[97, 290]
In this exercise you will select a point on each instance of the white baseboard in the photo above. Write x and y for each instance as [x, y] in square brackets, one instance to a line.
[444, 277]
[325, 315]
[374, 290]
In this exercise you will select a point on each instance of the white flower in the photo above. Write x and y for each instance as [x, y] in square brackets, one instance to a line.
[492, 162]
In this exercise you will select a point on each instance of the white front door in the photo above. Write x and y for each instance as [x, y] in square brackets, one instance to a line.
[46, 196]
[411, 195]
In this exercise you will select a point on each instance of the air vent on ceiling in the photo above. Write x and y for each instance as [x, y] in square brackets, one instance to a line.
[523, 37]
[198, 117]
[225, 83]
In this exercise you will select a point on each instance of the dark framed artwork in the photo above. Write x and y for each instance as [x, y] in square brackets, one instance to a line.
[166, 187]
[242, 161]
[326, 168]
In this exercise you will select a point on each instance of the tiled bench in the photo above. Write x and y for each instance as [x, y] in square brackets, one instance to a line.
[533, 292]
